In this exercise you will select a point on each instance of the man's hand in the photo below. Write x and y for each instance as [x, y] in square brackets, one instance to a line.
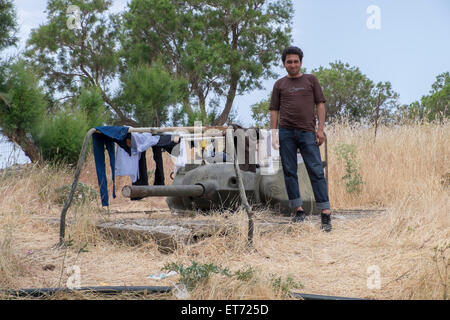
[275, 140]
[320, 137]
[274, 130]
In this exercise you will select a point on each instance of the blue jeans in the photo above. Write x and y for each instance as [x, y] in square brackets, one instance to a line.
[99, 143]
[290, 141]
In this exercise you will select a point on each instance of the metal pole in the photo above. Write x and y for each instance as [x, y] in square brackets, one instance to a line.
[62, 225]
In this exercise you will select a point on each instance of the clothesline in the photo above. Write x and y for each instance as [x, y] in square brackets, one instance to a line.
[179, 129]
[81, 159]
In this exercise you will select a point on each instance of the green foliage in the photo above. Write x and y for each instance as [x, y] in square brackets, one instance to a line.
[347, 91]
[352, 178]
[70, 59]
[261, 113]
[432, 107]
[61, 136]
[384, 101]
[148, 91]
[436, 106]
[8, 24]
[22, 106]
[220, 47]
[410, 113]
[351, 95]
[196, 273]
[22, 103]
[92, 105]
[284, 286]
[83, 194]
[246, 274]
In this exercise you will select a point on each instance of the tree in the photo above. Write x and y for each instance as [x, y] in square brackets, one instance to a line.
[71, 56]
[352, 95]
[436, 105]
[60, 137]
[221, 47]
[22, 107]
[261, 114]
[91, 104]
[147, 91]
[412, 112]
[347, 90]
[431, 107]
[8, 25]
[384, 102]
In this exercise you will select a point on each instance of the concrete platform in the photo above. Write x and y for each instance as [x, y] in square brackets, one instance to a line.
[169, 233]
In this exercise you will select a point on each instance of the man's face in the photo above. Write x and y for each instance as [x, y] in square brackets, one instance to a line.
[292, 65]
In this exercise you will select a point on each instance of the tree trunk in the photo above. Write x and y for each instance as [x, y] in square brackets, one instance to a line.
[123, 119]
[377, 115]
[187, 106]
[31, 151]
[230, 98]
[233, 83]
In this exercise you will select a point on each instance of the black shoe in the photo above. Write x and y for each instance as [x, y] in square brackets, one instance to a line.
[326, 222]
[299, 216]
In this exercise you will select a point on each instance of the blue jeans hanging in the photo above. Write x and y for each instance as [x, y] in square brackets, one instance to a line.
[99, 142]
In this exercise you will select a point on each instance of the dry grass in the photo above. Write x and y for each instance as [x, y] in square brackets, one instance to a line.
[402, 171]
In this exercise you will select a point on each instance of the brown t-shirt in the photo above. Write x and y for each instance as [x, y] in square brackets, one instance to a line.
[296, 98]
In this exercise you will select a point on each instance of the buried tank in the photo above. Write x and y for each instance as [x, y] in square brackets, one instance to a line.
[214, 186]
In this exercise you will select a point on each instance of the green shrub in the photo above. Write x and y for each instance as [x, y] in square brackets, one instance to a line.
[83, 193]
[196, 273]
[93, 106]
[61, 137]
[284, 286]
[245, 274]
[352, 178]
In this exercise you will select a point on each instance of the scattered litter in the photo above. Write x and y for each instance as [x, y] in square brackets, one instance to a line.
[162, 275]
[180, 293]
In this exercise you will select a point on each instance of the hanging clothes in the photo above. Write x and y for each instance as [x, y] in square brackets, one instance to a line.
[143, 143]
[180, 158]
[128, 165]
[105, 139]
[167, 144]
[143, 175]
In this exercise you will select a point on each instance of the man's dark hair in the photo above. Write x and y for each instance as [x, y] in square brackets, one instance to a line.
[291, 50]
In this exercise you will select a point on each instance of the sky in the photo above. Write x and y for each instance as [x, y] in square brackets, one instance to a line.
[406, 42]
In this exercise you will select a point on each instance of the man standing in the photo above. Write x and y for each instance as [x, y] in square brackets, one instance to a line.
[294, 98]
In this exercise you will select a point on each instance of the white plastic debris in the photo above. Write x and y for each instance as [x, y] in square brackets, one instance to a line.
[181, 293]
[162, 275]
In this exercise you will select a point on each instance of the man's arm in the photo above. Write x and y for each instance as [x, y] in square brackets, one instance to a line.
[273, 127]
[320, 136]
